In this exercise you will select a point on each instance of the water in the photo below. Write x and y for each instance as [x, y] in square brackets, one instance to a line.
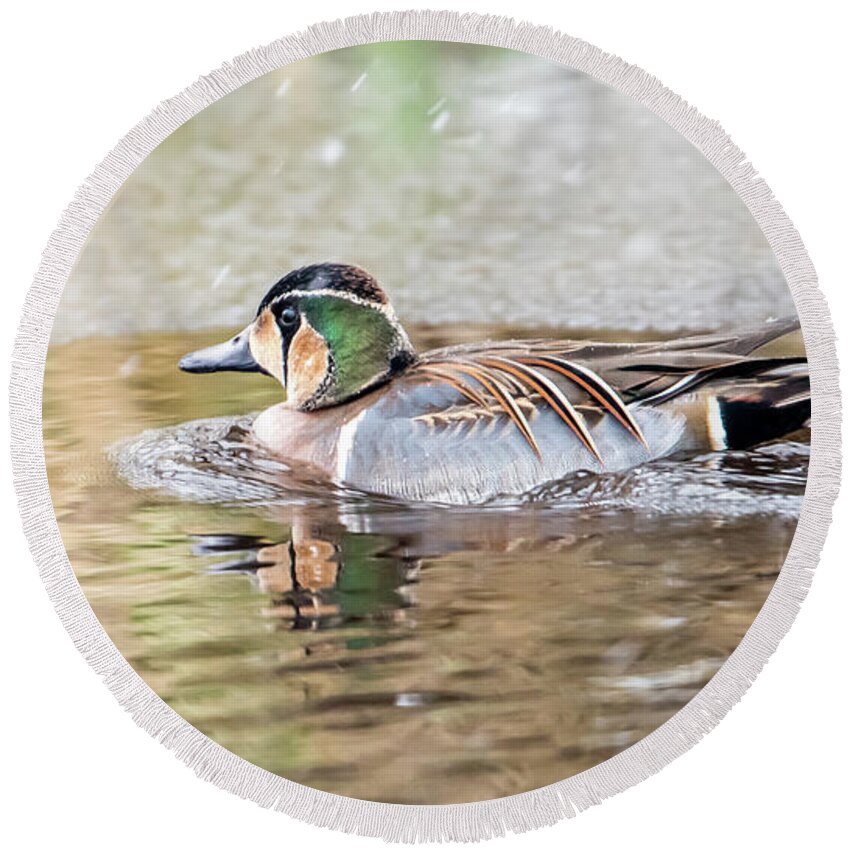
[396, 652]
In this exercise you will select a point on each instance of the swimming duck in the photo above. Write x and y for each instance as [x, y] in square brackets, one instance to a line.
[468, 423]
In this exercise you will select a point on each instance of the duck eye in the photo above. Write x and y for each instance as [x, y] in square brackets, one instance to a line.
[288, 316]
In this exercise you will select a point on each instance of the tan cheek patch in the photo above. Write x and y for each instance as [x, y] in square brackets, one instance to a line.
[307, 364]
[266, 345]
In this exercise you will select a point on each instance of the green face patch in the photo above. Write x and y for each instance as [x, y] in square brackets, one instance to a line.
[362, 341]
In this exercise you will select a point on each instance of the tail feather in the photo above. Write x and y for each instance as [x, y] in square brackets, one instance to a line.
[772, 406]
[746, 396]
[740, 342]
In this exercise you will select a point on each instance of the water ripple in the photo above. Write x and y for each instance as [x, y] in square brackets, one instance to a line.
[217, 461]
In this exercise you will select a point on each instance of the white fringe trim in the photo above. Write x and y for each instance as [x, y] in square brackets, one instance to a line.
[471, 821]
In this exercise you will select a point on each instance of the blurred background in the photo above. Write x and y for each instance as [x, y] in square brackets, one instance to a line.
[478, 184]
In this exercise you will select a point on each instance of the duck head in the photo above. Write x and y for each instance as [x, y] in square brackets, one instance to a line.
[327, 332]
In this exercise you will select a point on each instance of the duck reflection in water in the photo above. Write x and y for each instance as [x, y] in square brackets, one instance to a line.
[322, 575]
[320, 579]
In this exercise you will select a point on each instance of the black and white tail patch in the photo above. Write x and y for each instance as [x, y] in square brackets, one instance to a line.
[739, 424]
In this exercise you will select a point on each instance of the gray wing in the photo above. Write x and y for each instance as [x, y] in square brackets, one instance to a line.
[426, 442]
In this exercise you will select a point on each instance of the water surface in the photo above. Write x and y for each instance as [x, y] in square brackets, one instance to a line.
[396, 652]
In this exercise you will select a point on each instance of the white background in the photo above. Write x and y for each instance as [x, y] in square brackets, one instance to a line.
[77, 77]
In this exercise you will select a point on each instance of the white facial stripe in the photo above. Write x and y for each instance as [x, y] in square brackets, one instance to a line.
[384, 308]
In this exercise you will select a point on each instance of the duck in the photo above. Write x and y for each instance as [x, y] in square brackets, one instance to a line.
[476, 422]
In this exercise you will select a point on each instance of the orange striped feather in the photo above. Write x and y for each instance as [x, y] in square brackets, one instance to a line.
[552, 395]
[497, 389]
[594, 386]
[458, 383]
